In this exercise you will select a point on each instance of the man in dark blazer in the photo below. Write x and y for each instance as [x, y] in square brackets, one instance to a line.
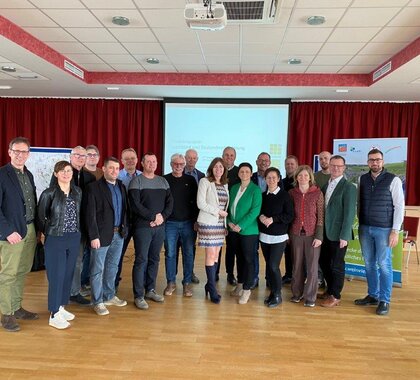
[106, 221]
[340, 209]
[17, 233]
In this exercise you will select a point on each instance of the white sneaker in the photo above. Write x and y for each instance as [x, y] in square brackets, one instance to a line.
[115, 301]
[57, 321]
[66, 314]
[101, 309]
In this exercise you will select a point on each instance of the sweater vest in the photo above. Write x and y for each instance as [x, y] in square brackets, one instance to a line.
[376, 208]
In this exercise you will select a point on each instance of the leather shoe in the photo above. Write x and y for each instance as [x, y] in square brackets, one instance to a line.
[9, 323]
[275, 301]
[231, 279]
[254, 284]
[79, 299]
[286, 280]
[194, 279]
[170, 288]
[268, 299]
[368, 300]
[331, 301]
[322, 296]
[383, 308]
[187, 290]
[25, 314]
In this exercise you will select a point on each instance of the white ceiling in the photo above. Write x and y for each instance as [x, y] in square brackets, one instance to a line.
[357, 37]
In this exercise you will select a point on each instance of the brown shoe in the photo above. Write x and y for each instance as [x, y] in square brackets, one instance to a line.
[25, 314]
[331, 301]
[187, 290]
[170, 288]
[322, 296]
[9, 323]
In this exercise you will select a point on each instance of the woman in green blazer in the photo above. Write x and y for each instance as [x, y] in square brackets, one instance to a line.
[244, 209]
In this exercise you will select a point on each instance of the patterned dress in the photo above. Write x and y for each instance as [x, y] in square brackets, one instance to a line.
[214, 235]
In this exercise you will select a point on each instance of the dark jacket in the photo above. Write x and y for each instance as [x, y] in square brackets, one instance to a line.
[12, 202]
[81, 181]
[99, 214]
[51, 209]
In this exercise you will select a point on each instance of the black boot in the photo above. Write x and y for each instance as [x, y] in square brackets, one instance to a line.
[210, 287]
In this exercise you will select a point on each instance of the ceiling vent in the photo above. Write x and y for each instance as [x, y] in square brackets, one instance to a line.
[263, 12]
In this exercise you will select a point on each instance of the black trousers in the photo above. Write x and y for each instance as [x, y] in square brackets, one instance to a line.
[272, 255]
[230, 255]
[244, 248]
[288, 260]
[333, 266]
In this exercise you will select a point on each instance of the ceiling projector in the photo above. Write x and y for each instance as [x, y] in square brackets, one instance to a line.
[205, 17]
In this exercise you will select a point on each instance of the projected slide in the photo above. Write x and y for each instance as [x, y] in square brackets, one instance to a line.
[208, 128]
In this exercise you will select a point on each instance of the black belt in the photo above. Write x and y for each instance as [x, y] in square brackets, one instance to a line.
[30, 222]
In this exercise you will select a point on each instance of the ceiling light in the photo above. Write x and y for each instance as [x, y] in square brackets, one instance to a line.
[8, 69]
[112, 88]
[294, 61]
[120, 20]
[315, 20]
[28, 76]
[343, 90]
[153, 61]
[5, 87]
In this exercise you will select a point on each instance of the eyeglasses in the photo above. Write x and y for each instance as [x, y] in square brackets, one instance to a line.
[77, 155]
[372, 160]
[92, 155]
[337, 166]
[178, 164]
[66, 171]
[17, 152]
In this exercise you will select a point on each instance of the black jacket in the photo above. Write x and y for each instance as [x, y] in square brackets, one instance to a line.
[12, 202]
[51, 208]
[99, 212]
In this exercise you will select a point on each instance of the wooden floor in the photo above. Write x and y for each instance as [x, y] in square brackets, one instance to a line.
[190, 338]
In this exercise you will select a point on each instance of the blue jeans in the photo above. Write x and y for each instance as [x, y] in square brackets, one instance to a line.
[184, 231]
[103, 268]
[378, 261]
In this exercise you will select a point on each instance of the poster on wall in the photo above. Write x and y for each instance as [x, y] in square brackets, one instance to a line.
[395, 161]
[41, 163]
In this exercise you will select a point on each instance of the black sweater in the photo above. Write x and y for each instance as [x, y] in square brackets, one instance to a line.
[280, 207]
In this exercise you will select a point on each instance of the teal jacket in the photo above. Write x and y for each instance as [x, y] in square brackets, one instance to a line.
[340, 212]
[247, 209]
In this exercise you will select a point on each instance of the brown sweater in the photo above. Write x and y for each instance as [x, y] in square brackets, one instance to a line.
[309, 212]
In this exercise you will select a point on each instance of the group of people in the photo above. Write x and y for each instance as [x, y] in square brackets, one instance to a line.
[88, 216]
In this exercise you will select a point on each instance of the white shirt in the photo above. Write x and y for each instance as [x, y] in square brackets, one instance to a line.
[332, 184]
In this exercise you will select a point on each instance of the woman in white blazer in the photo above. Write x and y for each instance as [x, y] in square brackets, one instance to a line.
[212, 201]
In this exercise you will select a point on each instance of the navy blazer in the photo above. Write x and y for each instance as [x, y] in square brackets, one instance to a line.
[99, 215]
[12, 202]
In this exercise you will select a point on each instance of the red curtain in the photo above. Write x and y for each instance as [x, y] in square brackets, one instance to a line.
[314, 126]
[111, 125]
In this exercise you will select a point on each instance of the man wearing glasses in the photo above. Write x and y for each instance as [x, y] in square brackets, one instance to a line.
[340, 209]
[17, 233]
[381, 213]
[92, 159]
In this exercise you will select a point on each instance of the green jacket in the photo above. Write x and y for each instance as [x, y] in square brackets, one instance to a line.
[247, 209]
[340, 211]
